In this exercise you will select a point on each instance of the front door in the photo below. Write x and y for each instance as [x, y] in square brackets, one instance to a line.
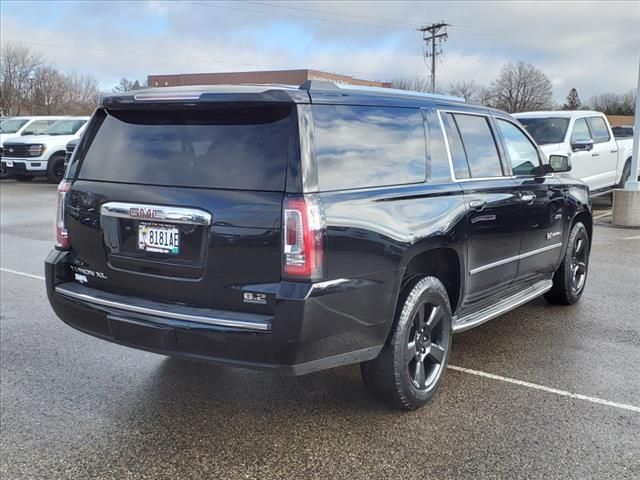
[494, 209]
[542, 201]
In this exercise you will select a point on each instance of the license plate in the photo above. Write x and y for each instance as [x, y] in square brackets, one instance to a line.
[9, 163]
[158, 239]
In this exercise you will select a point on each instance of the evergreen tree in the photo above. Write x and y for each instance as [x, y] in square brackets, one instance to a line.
[573, 101]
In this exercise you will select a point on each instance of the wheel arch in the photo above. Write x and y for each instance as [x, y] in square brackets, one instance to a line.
[443, 262]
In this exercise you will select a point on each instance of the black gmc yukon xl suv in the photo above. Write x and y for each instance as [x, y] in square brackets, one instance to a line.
[298, 229]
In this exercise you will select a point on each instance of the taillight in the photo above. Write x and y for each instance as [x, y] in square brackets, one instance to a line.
[62, 236]
[304, 232]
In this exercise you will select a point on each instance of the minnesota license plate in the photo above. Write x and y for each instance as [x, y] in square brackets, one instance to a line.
[158, 239]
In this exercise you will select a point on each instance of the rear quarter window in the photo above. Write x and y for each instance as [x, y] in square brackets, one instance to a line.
[362, 146]
[242, 148]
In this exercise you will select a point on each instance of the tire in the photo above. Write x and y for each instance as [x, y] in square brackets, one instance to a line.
[55, 169]
[24, 178]
[626, 173]
[411, 365]
[571, 277]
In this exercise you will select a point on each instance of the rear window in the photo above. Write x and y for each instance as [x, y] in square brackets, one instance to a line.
[546, 131]
[361, 146]
[599, 129]
[234, 148]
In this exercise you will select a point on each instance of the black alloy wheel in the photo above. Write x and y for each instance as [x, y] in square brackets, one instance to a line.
[428, 340]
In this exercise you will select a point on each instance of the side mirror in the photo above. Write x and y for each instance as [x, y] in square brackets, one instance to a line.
[582, 144]
[559, 163]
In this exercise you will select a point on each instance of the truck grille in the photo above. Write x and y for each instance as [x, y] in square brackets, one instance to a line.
[16, 151]
[69, 151]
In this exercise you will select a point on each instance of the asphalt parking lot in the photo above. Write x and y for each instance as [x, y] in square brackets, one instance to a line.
[541, 392]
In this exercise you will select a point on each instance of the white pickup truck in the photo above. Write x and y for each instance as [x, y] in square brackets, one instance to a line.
[23, 158]
[597, 158]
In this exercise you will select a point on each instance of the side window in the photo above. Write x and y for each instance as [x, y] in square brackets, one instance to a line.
[598, 129]
[36, 128]
[479, 145]
[458, 155]
[360, 146]
[580, 130]
[523, 155]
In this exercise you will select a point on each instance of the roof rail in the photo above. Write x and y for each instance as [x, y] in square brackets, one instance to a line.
[328, 85]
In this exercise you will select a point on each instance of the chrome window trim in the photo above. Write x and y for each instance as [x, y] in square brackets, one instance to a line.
[189, 216]
[220, 322]
[487, 116]
[504, 261]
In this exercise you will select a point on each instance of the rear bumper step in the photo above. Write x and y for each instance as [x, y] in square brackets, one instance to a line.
[243, 321]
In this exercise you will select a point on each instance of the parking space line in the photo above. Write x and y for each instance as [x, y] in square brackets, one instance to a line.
[635, 237]
[535, 386]
[478, 373]
[15, 272]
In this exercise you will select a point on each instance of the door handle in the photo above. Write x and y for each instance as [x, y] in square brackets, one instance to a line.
[595, 154]
[477, 204]
[528, 197]
[614, 151]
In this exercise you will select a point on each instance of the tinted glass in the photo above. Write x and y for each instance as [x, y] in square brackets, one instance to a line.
[11, 126]
[522, 153]
[64, 127]
[479, 145]
[599, 129]
[546, 130]
[233, 148]
[439, 170]
[458, 155]
[358, 146]
[37, 128]
[622, 132]
[580, 130]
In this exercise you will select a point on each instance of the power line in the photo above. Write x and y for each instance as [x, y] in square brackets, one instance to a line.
[309, 17]
[433, 36]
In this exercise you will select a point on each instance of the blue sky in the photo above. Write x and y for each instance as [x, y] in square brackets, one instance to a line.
[591, 46]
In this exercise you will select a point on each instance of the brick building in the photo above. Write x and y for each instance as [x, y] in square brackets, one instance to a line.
[286, 77]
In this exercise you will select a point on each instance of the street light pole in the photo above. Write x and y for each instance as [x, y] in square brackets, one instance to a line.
[633, 184]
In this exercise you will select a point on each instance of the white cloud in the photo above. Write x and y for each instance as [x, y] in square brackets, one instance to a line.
[591, 46]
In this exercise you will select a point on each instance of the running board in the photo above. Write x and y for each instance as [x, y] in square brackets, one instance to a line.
[503, 306]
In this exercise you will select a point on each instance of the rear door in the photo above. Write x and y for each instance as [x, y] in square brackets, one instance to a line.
[605, 152]
[494, 210]
[183, 205]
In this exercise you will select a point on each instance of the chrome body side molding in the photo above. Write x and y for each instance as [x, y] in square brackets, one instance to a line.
[514, 258]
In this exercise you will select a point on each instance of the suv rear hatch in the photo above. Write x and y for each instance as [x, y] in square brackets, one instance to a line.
[182, 204]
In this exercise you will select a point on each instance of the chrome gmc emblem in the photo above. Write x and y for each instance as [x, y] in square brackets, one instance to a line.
[147, 213]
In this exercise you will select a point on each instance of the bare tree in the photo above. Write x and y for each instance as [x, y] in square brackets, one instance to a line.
[466, 89]
[17, 64]
[486, 96]
[82, 93]
[49, 91]
[521, 87]
[127, 85]
[416, 84]
[613, 104]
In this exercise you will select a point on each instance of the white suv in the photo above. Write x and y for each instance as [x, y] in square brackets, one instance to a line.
[26, 157]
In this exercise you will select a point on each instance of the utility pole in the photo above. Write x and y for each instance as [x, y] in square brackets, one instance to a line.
[433, 36]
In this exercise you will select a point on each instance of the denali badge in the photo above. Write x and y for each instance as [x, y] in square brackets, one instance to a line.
[147, 213]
